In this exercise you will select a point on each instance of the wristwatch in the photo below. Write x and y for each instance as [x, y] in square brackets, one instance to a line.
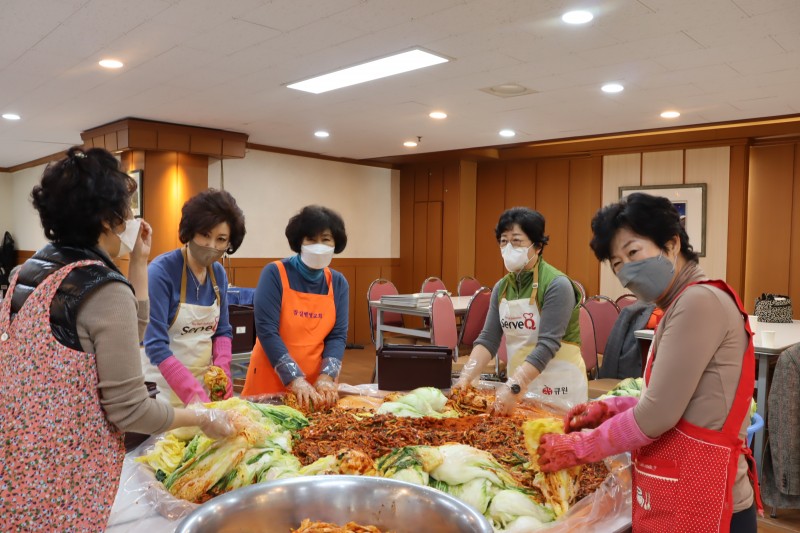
[515, 388]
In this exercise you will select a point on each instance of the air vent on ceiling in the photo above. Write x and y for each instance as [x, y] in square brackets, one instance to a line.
[508, 90]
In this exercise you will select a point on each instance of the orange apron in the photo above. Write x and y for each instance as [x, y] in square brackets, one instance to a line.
[305, 321]
[684, 480]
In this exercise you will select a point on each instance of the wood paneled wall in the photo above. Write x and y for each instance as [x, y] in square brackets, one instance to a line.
[724, 188]
[437, 223]
[567, 191]
[773, 224]
[244, 272]
[168, 180]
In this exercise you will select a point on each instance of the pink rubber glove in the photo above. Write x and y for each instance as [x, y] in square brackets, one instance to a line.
[182, 382]
[589, 415]
[615, 435]
[221, 354]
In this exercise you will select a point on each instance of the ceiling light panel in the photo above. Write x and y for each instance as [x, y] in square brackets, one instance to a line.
[372, 70]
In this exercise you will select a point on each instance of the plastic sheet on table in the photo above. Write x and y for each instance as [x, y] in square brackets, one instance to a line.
[606, 510]
[145, 488]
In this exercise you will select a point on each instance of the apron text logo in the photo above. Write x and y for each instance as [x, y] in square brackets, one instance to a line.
[526, 322]
[306, 314]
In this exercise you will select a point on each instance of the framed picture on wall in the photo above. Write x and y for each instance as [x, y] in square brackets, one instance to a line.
[689, 200]
[136, 197]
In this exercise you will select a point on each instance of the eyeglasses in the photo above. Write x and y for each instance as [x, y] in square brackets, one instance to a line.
[515, 242]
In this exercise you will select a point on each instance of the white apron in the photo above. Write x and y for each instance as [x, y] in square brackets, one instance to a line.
[189, 338]
[564, 377]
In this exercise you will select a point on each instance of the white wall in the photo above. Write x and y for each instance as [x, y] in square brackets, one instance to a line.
[6, 218]
[25, 225]
[701, 165]
[270, 188]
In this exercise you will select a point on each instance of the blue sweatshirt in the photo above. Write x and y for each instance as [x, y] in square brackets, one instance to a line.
[267, 302]
[164, 278]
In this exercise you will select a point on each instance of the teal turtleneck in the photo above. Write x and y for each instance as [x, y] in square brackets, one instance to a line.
[311, 275]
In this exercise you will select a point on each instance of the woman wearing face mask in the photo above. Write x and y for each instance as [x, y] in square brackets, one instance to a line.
[189, 328]
[70, 328]
[688, 430]
[302, 313]
[536, 307]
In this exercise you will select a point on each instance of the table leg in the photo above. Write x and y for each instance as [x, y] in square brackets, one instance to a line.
[761, 409]
[378, 343]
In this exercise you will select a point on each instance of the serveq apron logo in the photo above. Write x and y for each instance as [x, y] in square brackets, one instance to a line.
[525, 322]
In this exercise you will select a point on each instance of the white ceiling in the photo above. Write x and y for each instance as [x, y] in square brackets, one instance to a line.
[224, 64]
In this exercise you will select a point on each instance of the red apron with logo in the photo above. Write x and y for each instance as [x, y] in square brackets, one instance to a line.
[306, 320]
[684, 480]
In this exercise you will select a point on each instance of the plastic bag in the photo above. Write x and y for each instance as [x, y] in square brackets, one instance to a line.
[607, 509]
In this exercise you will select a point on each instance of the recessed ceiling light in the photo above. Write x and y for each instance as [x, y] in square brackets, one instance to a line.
[110, 63]
[322, 134]
[11, 116]
[577, 17]
[438, 114]
[410, 144]
[670, 114]
[507, 133]
[612, 88]
[372, 70]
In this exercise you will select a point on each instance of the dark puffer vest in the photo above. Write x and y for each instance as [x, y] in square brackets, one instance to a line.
[79, 284]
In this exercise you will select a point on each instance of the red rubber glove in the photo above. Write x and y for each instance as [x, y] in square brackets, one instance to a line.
[589, 415]
[616, 435]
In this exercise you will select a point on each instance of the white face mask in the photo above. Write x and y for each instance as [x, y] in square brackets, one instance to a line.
[515, 259]
[127, 239]
[316, 256]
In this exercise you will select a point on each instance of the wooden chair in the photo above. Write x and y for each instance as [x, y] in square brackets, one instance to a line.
[579, 285]
[443, 322]
[467, 286]
[378, 288]
[625, 300]
[432, 284]
[475, 316]
[604, 313]
[588, 342]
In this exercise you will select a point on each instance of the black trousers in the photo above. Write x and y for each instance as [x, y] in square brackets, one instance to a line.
[744, 521]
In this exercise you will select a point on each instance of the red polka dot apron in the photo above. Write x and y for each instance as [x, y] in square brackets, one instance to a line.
[684, 480]
[306, 320]
[60, 459]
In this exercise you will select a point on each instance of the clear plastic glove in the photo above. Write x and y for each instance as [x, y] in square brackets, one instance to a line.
[327, 390]
[306, 395]
[215, 423]
[509, 394]
[478, 360]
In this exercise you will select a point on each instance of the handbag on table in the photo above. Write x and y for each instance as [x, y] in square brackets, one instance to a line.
[774, 308]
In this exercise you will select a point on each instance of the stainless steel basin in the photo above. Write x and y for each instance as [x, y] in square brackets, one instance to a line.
[279, 506]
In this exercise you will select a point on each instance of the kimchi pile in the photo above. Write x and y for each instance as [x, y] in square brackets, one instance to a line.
[422, 437]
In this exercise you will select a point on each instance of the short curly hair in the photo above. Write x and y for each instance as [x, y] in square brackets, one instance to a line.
[313, 220]
[80, 192]
[653, 217]
[531, 222]
[207, 209]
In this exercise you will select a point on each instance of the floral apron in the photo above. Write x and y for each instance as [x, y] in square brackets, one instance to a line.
[306, 320]
[684, 480]
[60, 459]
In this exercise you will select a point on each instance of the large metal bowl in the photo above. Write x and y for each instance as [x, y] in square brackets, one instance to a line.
[390, 505]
